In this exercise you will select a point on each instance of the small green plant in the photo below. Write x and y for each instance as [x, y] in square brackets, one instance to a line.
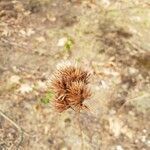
[47, 98]
[68, 45]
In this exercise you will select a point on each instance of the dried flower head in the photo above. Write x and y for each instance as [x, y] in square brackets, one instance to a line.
[70, 85]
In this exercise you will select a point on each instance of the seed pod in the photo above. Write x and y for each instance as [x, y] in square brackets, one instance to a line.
[70, 85]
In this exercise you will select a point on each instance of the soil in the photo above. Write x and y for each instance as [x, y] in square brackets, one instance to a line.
[110, 38]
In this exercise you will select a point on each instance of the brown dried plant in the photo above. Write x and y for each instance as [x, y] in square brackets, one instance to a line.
[70, 85]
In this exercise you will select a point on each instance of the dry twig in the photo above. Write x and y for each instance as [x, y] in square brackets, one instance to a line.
[17, 126]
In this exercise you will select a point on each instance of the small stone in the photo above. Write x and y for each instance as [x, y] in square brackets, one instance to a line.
[52, 19]
[143, 139]
[136, 141]
[46, 129]
[22, 32]
[131, 113]
[25, 88]
[115, 126]
[62, 42]
[112, 112]
[64, 148]
[30, 31]
[41, 85]
[106, 3]
[148, 143]
[15, 79]
[40, 39]
[119, 147]
[132, 71]
[144, 130]
[15, 69]
[136, 18]
[104, 84]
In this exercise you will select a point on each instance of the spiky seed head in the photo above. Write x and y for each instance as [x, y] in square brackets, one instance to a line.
[77, 92]
[70, 84]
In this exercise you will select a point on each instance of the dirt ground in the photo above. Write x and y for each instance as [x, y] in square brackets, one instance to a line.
[108, 37]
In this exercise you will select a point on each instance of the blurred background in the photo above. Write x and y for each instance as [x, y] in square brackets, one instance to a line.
[111, 38]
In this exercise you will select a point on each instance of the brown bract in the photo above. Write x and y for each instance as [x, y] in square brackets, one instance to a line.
[70, 85]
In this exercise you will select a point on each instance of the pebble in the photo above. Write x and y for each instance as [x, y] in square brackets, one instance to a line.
[106, 3]
[41, 85]
[148, 143]
[112, 112]
[143, 139]
[25, 88]
[62, 41]
[15, 79]
[104, 84]
[132, 71]
[119, 147]
[144, 130]
[64, 148]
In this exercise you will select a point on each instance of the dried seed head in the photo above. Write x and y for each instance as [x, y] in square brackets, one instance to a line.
[77, 92]
[70, 84]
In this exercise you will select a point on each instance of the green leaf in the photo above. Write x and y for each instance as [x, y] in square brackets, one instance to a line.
[47, 98]
[69, 44]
